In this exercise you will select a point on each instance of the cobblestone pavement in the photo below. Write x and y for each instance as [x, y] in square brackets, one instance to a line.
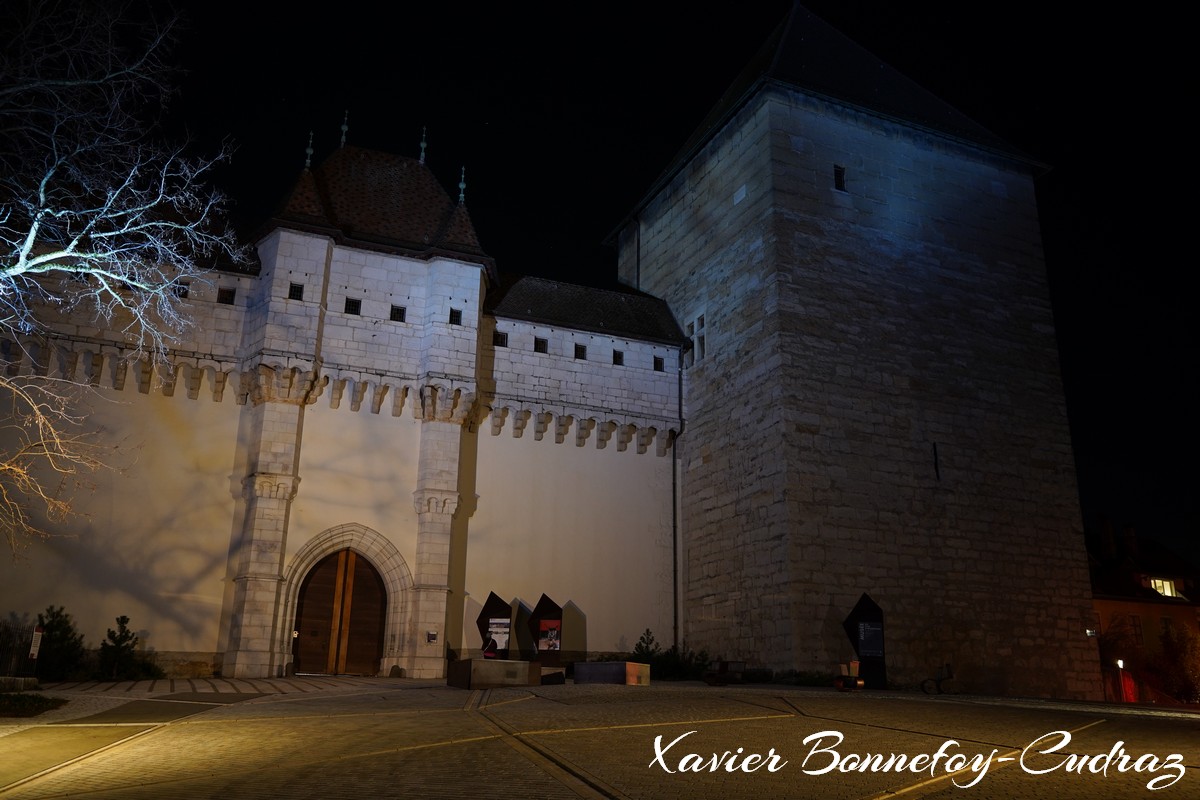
[394, 738]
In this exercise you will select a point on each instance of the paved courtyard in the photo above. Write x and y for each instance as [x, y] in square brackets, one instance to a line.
[394, 738]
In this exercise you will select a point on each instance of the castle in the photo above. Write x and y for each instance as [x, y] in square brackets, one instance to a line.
[833, 374]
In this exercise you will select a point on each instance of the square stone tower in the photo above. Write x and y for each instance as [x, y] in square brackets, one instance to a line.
[873, 400]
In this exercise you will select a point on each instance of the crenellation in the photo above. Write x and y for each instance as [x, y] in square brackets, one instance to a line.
[356, 396]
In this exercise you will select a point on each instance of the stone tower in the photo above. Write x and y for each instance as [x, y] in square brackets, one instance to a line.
[362, 230]
[873, 400]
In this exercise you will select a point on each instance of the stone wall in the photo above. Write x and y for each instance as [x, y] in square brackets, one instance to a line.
[289, 425]
[877, 406]
[589, 399]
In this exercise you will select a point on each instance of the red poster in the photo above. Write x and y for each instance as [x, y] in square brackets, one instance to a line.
[548, 638]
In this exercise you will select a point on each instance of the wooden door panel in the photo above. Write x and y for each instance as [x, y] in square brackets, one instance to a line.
[340, 617]
[364, 648]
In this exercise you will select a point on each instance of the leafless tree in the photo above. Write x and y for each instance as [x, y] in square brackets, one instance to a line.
[97, 216]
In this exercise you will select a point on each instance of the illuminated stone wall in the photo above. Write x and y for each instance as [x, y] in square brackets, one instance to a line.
[572, 484]
[291, 426]
[152, 538]
[876, 406]
[580, 524]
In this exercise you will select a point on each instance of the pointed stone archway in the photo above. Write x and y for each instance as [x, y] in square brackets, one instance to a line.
[333, 573]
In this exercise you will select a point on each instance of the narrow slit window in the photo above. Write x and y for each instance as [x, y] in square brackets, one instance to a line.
[456, 316]
[540, 345]
[696, 333]
[353, 306]
[296, 291]
[398, 313]
[839, 177]
[226, 296]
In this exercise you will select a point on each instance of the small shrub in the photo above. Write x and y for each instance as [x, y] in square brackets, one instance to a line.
[120, 659]
[646, 649]
[672, 664]
[62, 656]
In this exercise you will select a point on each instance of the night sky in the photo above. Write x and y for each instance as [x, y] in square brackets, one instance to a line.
[564, 113]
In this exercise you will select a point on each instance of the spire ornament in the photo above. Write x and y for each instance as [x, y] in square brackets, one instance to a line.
[422, 159]
[462, 187]
[308, 151]
[345, 126]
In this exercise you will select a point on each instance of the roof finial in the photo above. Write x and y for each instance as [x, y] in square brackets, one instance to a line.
[308, 151]
[422, 159]
[345, 126]
[462, 187]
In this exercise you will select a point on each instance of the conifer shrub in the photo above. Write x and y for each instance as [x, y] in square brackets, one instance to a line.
[672, 664]
[120, 659]
[61, 656]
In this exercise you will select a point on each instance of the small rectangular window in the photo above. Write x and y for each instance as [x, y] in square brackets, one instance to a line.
[499, 339]
[456, 316]
[618, 358]
[296, 291]
[540, 345]
[182, 290]
[226, 296]
[1164, 586]
[659, 364]
[839, 177]
[353, 306]
[581, 352]
[398, 313]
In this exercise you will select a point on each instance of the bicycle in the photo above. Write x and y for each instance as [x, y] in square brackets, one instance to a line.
[937, 684]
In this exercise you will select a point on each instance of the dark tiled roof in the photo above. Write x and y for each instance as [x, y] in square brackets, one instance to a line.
[616, 313]
[809, 54]
[381, 201]
[806, 53]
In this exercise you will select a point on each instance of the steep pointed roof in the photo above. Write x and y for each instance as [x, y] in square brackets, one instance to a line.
[808, 54]
[381, 201]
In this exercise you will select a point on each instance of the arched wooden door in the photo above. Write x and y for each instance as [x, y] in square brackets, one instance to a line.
[340, 617]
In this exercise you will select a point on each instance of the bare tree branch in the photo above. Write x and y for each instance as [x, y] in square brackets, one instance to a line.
[49, 455]
[97, 217]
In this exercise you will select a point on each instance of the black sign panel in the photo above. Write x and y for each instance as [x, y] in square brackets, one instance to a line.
[870, 639]
[864, 628]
